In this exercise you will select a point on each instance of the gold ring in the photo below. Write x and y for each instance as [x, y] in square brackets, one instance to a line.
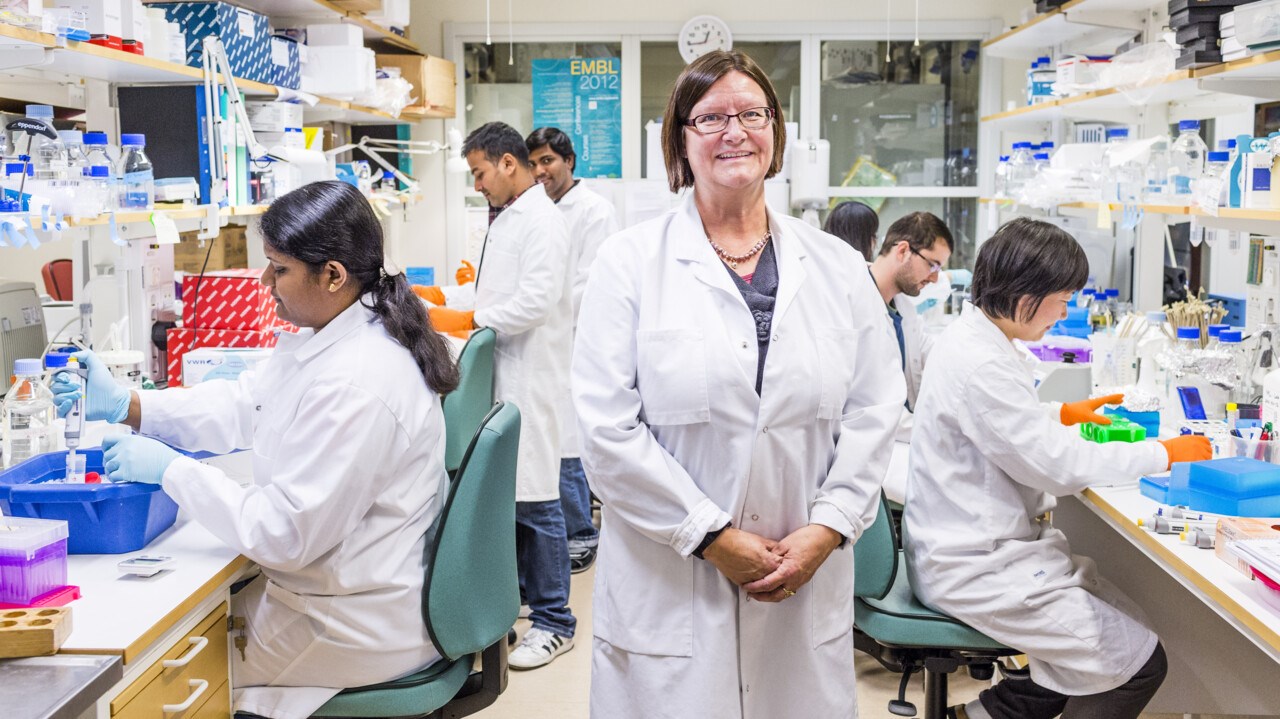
[788, 593]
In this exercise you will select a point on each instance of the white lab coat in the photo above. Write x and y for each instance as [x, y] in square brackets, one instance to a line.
[917, 343]
[348, 466]
[591, 220]
[676, 442]
[523, 291]
[987, 461]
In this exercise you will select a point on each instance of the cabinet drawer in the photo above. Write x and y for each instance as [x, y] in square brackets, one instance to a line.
[218, 705]
[204, 653]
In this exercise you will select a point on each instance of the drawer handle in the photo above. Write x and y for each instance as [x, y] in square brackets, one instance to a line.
[197, 645]
[200, 685]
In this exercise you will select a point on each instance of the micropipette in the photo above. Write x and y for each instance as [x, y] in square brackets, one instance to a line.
[74, 424]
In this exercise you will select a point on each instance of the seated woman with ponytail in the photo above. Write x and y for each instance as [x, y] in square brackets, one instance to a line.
[347, 435]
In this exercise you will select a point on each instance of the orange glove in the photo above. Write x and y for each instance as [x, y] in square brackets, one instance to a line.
[466, 273]
[431, 294]
[1083, 411]
[460, 334]
[1188, 448]
[444, 319]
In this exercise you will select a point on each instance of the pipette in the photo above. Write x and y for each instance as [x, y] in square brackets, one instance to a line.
[74, 425]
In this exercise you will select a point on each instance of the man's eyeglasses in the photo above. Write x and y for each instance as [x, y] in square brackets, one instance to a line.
[934, 266]
[755, 118]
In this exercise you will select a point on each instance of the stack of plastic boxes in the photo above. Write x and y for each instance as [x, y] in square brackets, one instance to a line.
[33, 558]
[234, 310]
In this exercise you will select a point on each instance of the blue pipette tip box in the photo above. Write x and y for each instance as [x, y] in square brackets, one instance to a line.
[1235, 486]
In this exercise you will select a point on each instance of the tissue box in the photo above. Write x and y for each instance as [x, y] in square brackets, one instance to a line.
[229, 300]
[244, 33]
[286, 65]
[210, 363]
[181, 341]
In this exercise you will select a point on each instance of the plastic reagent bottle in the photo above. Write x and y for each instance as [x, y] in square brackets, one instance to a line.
[47, 154]
[137, 190]
[28, 414]
[1186, 160]
[99, 169]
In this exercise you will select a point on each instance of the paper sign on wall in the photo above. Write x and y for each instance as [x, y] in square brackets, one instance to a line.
[583, 97]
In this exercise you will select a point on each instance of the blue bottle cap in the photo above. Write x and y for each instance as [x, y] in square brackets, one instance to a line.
[1117, 132]
[1088, 292]
[1215, 330]
[133, 140]
[1042, 156]
[1231, 336]
[98, 171]
[1231, 144]
[1188, 125]
[1046, 146]
[1004, 158]
[54, 360]
[1219, 156]
[27, 367]
[1113, 292]
[1189, 333]
[95, 138]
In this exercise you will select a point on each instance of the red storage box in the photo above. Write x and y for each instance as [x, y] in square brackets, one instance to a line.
[181, 341]
[229, 300]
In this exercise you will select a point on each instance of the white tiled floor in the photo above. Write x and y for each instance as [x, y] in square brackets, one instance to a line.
[559, 690]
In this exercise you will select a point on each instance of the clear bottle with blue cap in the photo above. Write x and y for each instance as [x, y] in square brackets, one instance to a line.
[1186, 160]
[1231, 342]
[100, 170]
[1002, 177]
[1021, 167]
[137, 181]
[28, 415]
[48, 156]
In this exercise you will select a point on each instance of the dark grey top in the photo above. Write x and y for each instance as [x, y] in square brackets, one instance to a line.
[760, 294]
[62, 686]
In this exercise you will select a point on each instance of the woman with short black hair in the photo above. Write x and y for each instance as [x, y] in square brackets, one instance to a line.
[347, 435]
[987, 463]
[856, 224]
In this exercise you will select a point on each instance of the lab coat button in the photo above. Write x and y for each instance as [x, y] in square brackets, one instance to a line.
[744, 344]
[775, 338]
[755, 518]
[766, 430]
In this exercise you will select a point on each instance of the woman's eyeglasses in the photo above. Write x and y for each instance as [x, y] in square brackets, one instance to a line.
[755, 118]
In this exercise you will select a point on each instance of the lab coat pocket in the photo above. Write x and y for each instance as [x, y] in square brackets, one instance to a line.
[837, 347]
[671, 376]
[644, 595]
[281, 612]
[499, 272]
[831, 596]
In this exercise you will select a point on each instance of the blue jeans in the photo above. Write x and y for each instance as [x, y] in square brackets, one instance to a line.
[575, 500]
[542, 558]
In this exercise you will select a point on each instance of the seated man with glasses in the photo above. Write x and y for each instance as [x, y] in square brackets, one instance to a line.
[915, 250]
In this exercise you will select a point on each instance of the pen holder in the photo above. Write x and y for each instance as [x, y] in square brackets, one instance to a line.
[1259, 449]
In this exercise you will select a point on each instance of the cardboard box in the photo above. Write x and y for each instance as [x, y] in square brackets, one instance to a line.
[361, 6]
[230, 251]
[229, 300]
[1241, 529]
[245, 34]
[434, 81]
[209, 363]
[180, 341]
[286, 64]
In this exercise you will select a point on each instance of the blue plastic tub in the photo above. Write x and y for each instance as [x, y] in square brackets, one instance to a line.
[101, 518]
[1236, 486]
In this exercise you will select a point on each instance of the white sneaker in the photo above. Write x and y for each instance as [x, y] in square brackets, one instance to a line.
[538, 648]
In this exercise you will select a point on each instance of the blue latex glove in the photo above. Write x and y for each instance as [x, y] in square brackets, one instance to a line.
[107, 400]
[133, 458]
[960, 277]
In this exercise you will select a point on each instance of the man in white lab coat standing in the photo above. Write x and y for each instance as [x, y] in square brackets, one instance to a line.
[591, 219]
[522, 292]
[915, 249]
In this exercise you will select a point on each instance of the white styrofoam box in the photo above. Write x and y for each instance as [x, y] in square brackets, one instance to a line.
[1258, 23]
[134, 23]
[102, 17]
[340, 72]
[1079, 70]
[273, 116]
[157, 44]
[208, 363]
[291, 137]
[394, 13]
[335, 35]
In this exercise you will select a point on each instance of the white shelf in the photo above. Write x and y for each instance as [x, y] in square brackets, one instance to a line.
[284, 13]
[1082, 26]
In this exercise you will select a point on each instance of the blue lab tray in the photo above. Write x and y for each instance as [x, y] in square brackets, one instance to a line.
[101, 518]
[1171, 488]
[1236, 486]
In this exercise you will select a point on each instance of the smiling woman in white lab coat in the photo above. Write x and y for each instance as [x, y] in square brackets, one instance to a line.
[988, 460]
[733, 487]
[348, 460]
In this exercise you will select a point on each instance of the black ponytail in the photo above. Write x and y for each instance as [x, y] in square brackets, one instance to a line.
[332, 222]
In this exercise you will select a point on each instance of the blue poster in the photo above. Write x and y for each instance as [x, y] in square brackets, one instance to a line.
[583, 97]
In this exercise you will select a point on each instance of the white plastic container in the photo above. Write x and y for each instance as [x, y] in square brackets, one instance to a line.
[335, 35]
[27, 418]
[344, 73]
[1258, 23]
[1186, 161]
[125, 366]
[394, 13]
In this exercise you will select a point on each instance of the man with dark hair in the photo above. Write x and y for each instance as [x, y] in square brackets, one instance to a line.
[591, 219]
[915, 249]
[522, 291]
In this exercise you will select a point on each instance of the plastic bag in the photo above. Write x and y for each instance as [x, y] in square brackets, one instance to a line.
[1136, 72]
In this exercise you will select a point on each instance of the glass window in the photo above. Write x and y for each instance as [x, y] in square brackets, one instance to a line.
[959, 213]
[499, 77]
[660, 65]
[908, 121]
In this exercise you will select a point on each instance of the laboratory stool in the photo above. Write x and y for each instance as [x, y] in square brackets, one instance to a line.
[905, 636]
[468, 405]
[471, 595]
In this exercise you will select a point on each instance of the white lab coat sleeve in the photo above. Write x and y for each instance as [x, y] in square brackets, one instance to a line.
[325, 477]
[1016, 432]
[544, 258]
[848, 499]
[460, 297]
[215, 416]
[600, 226]
[626, 467]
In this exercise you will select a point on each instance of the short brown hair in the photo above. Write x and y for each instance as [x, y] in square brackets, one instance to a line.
[920, 230]
[692, 84]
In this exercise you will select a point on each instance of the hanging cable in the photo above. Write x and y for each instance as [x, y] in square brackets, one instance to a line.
[488, 36]
[511, 39]
[888, 9]
[917, 43]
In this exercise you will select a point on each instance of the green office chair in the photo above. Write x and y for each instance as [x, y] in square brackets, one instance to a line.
[905, 636]
[467, 406]
[471, 596]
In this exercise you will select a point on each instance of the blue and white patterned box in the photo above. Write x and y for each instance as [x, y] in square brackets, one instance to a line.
[286, 66]
[245, 34]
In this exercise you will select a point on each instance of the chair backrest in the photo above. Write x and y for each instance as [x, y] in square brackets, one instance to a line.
[57, 279]
[875, 557]
[466, 407]
[472, 595]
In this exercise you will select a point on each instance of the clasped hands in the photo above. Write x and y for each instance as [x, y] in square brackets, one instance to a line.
[771, 571]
